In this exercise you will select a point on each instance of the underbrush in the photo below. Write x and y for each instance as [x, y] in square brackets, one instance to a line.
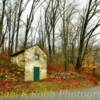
[12, 78]
[19, 88]
[5, 61]
[8, 70]
[56, 62]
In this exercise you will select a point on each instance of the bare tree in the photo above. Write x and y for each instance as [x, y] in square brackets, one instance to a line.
[9, 22]
[41, 33]
[13, 14]
[2, 35]
[48, 29]
[13, 29]
[51, 19]
[87, 31]
[18, 22]
[55, 4]
[30, 20]
[67, 35]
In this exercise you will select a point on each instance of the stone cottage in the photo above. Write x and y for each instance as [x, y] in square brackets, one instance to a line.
[34, 60]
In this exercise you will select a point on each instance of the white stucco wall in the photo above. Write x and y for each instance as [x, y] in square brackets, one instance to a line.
[30, 63]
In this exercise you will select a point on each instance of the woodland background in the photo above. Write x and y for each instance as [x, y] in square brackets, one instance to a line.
[66, 31]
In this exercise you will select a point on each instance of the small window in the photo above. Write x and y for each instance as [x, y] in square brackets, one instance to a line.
[36, 56]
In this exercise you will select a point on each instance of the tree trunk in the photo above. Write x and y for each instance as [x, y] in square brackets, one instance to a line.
[18, 24]
[53, 49]
[49, 45]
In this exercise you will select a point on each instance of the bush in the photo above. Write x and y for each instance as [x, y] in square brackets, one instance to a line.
[4, 56]
[56, 62]
[97, 72]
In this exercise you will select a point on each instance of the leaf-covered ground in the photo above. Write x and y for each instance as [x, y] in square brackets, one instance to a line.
[12, 82]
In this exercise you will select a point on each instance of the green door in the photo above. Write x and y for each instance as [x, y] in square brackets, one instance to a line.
[36, 72]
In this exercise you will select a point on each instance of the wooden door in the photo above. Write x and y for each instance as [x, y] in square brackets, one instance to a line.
[36, 73]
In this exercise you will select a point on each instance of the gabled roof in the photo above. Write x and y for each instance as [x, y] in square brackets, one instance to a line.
[17, 53]
[22, 51]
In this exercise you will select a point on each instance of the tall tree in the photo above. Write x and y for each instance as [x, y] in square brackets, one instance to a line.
[18, 22]
[90, 14]
[41, 33]
[13, 19]
[30, 19]
[67, 12]
[2, 35]
[51, 18]
[55, 4]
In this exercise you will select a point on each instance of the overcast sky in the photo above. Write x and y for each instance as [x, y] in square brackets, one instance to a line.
[81, 4]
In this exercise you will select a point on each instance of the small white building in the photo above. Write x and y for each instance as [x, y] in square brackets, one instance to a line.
[34, 61]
